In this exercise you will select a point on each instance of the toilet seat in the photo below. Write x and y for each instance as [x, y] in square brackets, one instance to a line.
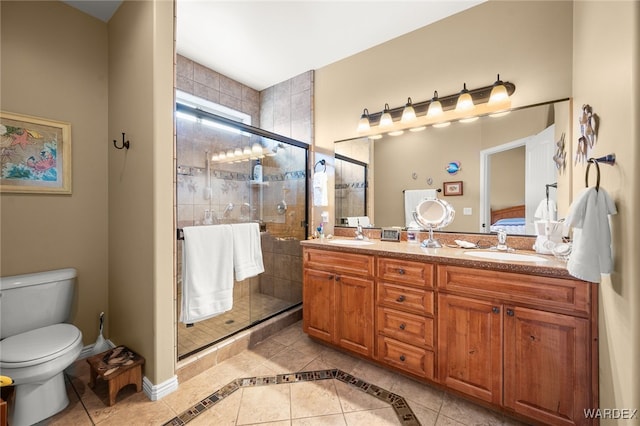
[38, 346]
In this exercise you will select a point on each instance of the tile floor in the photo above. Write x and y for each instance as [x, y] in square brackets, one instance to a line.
[317, 402]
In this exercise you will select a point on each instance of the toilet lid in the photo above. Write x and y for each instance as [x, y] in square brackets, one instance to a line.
[39, 345]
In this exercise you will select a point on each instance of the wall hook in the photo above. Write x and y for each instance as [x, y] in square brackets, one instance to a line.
[125, 144]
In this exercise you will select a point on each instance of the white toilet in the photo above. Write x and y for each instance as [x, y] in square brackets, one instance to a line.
[36, 343]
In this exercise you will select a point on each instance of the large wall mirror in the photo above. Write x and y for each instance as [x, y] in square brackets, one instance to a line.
[505, 163]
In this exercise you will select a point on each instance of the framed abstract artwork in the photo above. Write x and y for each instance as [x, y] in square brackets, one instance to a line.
[35, 155]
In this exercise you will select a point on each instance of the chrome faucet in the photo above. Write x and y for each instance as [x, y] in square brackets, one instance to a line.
[359, 234]
[502, 240]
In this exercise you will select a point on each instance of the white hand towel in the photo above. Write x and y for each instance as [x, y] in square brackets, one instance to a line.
[320, 190]
[591, 252]
[247, 250]
[413, 197]
[207, 272]
[546, 210]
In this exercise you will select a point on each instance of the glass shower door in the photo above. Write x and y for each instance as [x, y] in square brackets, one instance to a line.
[217, 184]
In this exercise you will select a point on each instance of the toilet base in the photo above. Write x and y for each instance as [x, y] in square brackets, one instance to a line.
[34, 402]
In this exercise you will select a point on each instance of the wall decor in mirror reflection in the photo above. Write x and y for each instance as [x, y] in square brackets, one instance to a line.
[452, 188]
[35, 154]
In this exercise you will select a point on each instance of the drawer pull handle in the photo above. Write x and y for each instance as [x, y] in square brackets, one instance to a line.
[403, 326]
[337, 277]
[330, 277]
[495, 310]
[510, 312]
[402, 358]
[400, 298]
[401, 271]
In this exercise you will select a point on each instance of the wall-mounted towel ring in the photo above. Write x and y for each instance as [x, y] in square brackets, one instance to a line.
[607, 159]
[323, 163]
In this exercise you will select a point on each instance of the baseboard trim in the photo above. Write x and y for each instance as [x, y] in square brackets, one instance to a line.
[156, 392]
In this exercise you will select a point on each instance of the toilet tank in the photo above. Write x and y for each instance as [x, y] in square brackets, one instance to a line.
[35, 300]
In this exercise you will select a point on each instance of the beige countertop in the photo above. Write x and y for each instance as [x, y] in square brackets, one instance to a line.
[446, 255]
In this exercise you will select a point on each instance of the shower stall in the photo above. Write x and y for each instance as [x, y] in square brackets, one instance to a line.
[230, 172]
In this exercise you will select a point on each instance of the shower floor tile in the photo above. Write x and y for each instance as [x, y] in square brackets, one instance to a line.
[246, 310]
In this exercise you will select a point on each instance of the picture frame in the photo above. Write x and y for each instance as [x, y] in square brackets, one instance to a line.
[452, 188]
[35, 155]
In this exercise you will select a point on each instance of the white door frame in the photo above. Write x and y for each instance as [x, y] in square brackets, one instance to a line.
[485, 179]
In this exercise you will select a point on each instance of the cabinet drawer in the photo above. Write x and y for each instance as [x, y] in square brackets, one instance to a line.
[338, 262]
[405, 272]
[413, 329]
[409, 358]
[405, 298]
[558, 294]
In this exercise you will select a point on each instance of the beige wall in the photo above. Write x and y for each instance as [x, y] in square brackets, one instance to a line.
[58, 69]
[609, 33]
[141, 184]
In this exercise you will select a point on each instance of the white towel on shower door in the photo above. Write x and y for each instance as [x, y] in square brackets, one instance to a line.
[320, 189]
[247, 250]
[207, 272]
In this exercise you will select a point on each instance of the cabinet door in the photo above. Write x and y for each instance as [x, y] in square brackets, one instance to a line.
[470, 346]
[354, 314]
[547, 365]
[318, 304]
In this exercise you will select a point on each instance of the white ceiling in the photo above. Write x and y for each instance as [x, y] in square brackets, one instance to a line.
[261, 43]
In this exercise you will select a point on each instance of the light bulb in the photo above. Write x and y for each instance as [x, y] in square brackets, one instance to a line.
[435, 107]
[408, 114]
[465, 101]
[385, 119]
[363, 124]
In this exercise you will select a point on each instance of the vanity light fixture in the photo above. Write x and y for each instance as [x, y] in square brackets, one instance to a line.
[469, 119]
[375, 137]
[441, 111]
[363, 124]
[408, 114]
[386, 120]
[465, 101]
[396, 133]
[417, 129]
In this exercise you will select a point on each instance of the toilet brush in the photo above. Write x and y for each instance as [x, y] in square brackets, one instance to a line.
[100, 345]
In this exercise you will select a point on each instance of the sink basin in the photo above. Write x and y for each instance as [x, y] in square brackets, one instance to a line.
[351, 242]
[501, 255]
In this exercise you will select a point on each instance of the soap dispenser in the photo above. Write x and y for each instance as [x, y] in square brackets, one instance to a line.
[257, 172]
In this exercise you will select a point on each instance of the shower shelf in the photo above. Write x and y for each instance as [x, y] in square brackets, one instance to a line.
[259, 183]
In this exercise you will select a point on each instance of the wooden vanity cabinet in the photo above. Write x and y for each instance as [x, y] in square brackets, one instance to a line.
[405, 316]
[519, 341]
[338, 299]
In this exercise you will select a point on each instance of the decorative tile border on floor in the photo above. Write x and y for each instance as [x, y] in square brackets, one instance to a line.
[398, 403]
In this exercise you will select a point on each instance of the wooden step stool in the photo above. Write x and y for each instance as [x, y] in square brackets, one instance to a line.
[119, 366]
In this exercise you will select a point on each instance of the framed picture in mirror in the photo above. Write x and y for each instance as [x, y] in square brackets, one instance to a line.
[452, 188]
